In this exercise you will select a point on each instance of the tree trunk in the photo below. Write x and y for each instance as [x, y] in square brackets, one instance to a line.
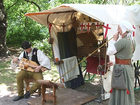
[3, 28]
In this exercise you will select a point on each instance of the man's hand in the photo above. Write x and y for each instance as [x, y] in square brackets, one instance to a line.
[15, 60]
[110, 64]
[38, 68]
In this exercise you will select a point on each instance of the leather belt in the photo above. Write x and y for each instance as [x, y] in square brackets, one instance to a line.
[123, 61]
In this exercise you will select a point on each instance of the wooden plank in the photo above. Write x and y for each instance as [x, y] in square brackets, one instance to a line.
[65, 96]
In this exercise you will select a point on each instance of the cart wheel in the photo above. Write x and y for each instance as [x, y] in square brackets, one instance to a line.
[87, 76]
[137, 74]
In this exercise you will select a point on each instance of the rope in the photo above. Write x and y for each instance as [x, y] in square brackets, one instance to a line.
[84, 59]
[61, 25]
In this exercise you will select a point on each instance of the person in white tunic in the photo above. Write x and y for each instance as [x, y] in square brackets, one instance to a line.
[41, 59]
[123, 49]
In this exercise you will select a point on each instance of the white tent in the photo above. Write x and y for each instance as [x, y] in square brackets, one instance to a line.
[108, 14]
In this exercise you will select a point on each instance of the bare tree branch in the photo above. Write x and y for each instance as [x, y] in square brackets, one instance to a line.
[34, 4]
[12, 5]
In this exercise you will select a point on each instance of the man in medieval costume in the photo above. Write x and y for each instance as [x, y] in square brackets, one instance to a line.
[36, 55]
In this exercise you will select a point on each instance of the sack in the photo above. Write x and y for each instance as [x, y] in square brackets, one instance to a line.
[118, 79]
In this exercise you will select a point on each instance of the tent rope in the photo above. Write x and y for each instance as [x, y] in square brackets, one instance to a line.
[83, 59]
[61, 25]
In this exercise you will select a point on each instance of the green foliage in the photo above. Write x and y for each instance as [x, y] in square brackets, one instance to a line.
[21, 28]
[44, 46]
[136, 2]
[17, 33]
[55, 3]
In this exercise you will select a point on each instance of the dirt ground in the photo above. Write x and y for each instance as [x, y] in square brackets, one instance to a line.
[8, 88]
[95, 90]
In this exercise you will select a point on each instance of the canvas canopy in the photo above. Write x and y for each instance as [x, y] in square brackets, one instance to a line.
[110, 15]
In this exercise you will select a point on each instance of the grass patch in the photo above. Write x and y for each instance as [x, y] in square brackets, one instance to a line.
[4, 65]
[7, 75]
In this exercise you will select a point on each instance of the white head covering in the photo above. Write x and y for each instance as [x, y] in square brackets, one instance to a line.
[126, 26]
